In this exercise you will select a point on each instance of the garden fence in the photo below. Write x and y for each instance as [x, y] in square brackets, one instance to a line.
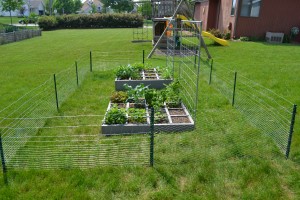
[35, 135]
[18, 35]
[272, 114]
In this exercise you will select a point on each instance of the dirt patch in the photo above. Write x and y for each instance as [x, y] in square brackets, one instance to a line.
[150, 77]
[137, 105]
[177, 112]
[180, 119]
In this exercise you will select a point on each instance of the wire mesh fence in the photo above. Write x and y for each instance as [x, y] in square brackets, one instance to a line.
[270, 113]
[73, 142]
[173, 45]
[189, 65]
[102, 61]
[33, 136]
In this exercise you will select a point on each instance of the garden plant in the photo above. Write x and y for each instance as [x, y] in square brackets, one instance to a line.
[132, 75]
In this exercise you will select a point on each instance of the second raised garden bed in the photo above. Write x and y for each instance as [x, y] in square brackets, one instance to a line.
[136, 74]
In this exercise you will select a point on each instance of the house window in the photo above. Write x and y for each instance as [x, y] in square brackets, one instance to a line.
[250, 8]
[233, 7]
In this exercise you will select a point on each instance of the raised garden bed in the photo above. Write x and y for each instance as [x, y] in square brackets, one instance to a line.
[165, 120]
[179, 120]
[128, 112]
[132, 123]
[138, 74]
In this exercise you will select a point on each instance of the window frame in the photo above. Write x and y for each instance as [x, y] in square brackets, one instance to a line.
[250, 7]
[233, 8]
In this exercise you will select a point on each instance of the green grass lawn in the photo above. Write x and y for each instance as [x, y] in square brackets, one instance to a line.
[208, 163]
[6, 20]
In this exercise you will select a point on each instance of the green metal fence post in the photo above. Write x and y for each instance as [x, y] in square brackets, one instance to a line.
[210, 73]
[288, 148]
[91, 62]
[143, 56]
[4, 169]
[234, 86]
[152, 137]
[56, 95]
[76, 68]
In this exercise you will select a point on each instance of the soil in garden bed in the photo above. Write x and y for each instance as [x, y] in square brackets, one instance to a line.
[178, 111]
[180, 119]
[150, 71]
[137, 105]
[150, 77]
[150, 74]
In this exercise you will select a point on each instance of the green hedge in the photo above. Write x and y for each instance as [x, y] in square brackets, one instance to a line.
[90, 21]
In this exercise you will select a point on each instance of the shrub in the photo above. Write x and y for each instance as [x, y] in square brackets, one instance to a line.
[47, 22]
[227, 35]
[9, 29]
[92, 21]
[216, 32]
[245, 39]
[220, 34]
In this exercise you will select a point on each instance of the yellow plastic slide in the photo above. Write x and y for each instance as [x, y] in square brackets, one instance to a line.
[214, 38]
[206, 34]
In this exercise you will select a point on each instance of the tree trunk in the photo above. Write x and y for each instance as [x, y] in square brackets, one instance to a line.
[10, 17]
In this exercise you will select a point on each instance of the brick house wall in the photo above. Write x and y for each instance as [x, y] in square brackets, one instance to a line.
[201, 12]
[275, 16]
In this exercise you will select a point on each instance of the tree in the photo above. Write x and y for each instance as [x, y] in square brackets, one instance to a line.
[94, 9]
[48, 6]
[11, 5]
[77, 5]
[64, 6]
[119, 5]
[145, 9]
